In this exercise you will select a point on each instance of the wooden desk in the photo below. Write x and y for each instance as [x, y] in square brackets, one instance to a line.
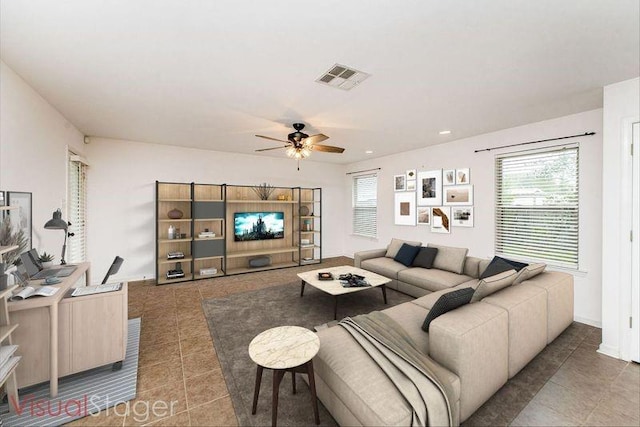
[51, 303]
[62, 335]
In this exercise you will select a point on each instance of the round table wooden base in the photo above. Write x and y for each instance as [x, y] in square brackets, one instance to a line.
[278, 374]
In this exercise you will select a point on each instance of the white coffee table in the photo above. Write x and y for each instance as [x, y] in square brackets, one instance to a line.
[334, 287]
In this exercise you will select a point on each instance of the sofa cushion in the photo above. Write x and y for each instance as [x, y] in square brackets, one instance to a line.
[396, 244]
[406, 254]
[499, 264]
[384, 266]
[527, 308]
[529, 272]
[492, 284]
[431, 279]
[358, 382]
[447, 302]
[425, 257]
[472, 266]
[427, 301]
[410, 317]
[449, 258]
[482, 265]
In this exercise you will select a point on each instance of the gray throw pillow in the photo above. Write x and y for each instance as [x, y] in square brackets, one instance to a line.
[493, 284]
[446, 303]
[396, 244]
[529, 271]
[425, 257]
[498, 265]
[449, 258]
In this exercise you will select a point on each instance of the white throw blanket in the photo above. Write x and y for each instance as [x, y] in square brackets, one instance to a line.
[413, 373]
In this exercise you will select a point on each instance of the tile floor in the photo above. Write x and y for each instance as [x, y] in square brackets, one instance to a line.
[178, 364]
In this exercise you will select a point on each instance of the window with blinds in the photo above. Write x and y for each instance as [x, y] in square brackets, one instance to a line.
[365, 205]
[537, 206]
[77, 209]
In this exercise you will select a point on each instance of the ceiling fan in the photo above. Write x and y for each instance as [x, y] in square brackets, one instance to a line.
[300, 145]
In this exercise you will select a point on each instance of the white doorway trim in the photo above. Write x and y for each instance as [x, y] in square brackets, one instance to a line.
[634, 338]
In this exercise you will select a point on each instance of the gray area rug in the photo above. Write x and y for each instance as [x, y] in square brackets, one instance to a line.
[235, 320]
[82, 394]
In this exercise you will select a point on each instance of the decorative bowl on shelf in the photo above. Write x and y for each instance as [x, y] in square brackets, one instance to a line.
[175, 214]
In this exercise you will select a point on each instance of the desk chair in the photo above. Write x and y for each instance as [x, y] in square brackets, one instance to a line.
[115, 266]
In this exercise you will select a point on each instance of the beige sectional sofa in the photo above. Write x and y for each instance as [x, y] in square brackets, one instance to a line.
[479, 345]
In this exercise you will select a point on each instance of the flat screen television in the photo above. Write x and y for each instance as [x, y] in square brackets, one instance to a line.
[258, 226]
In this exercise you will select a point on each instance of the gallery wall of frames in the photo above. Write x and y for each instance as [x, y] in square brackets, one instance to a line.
[439, 199]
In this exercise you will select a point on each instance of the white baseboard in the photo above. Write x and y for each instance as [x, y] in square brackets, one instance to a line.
[589, 322]
[610, 351]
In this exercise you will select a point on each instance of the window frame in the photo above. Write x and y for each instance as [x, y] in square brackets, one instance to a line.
[570, 244]
[355, 208]
[78, 225]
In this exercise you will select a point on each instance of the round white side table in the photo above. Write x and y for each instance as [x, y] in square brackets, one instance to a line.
[285, 349]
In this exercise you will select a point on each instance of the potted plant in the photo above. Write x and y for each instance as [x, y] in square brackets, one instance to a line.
[46, 259]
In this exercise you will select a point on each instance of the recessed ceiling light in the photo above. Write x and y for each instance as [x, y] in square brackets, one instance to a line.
[445, 132]
[368, 152]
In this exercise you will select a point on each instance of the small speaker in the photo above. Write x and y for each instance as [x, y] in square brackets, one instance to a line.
[260, 261]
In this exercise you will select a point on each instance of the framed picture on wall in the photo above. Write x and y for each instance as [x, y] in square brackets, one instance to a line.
[21, 217]
[405, 208]
[462, 216]
[458, 195]
[449, 177]
[399, 183]
[411, 174]
[462, 176]
[424, 215]
[411, 185]
[441, 219]
[430, 188]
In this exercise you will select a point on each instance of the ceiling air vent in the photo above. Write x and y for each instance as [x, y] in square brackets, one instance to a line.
[342, 77]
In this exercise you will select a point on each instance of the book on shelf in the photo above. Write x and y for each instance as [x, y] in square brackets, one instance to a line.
[208, 271]
[31, 291]
[6, 351]
[175, 274]
[7, 366]
[206, 235]
[175, 255]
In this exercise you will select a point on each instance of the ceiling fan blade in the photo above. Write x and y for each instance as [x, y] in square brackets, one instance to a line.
[273, 139]
[327, 148]
[314, 139]
[274, 148]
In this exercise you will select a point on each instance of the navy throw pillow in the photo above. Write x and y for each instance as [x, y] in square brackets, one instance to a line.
[446, 303]
[425, 257]
[500, 265]
[406, 254]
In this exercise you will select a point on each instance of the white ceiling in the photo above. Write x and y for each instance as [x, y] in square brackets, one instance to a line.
[210, 74]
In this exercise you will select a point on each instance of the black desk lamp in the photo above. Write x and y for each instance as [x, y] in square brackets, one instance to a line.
[57, 223]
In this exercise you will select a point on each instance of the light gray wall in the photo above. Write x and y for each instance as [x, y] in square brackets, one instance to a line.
[480, 239]
[34, 141]
[121, 191]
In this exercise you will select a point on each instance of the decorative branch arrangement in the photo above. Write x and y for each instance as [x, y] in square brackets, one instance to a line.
[10, 238]
[263, 190]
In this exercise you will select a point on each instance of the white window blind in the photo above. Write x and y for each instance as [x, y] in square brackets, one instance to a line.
[365, 205]
[537, 206]
[76, 245]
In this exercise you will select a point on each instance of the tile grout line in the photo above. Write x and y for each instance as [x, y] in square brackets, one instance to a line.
[602, 396]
